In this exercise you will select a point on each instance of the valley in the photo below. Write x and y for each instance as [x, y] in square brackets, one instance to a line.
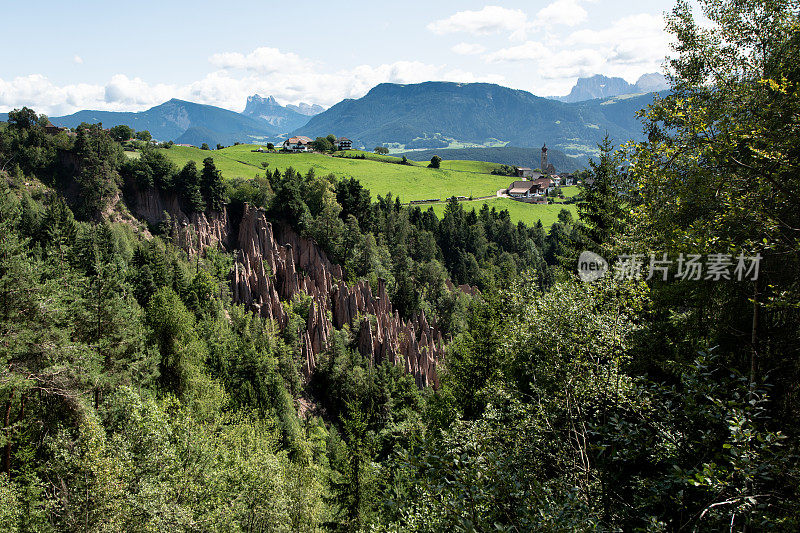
[380, 174]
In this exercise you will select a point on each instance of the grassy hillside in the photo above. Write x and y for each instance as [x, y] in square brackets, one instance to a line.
[481, 167]
[230, 168]
[372, 156]
[519, 211]
[509, 155]
[381, 176]
[410, 182]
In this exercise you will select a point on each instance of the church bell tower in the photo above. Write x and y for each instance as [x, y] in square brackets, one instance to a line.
[544, 158]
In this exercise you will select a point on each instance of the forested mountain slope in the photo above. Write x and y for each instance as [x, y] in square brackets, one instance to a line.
[182, 122]
[427, 115]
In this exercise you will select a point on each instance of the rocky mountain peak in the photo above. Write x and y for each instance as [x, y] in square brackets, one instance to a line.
[257, 103]
[270, 111]
[652, 82]
[308, 110]
[598, 86]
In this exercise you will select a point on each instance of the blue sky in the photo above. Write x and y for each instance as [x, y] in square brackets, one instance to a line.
[60, 57]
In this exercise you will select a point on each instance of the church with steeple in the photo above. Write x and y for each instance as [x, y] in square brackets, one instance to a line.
[544, 158]
[547, 168]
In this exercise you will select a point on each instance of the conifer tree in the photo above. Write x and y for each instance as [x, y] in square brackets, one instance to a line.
[353, 493]
[98, 158]
[602, 208]
[212, 186]
[188, 186]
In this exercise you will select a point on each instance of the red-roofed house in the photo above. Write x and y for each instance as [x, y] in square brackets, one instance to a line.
[297, 144]
[530, 188]
[523, 189]
[545, 184]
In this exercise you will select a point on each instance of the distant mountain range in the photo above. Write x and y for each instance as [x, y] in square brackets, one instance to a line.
[308, 110]
[190, 123]
[283, 118]
[599, 86]
[433, 114]
[426, 115]
[182, 122]
[508, 155]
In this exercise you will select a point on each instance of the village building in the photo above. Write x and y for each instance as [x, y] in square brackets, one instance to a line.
[524, 189]
[343, 143]
[545, 184]
[544, 158]
[527, 189]
[524, 172]
[527, 174]
[546, 167]
[297, 144]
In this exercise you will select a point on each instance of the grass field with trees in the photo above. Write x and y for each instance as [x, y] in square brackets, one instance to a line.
[518, 211]
[376, 172]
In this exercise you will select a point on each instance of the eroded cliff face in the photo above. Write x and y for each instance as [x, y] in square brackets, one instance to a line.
[273, 264]
[415, 344]
[193, 232]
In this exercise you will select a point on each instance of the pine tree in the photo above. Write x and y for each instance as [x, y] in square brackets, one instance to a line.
[58, 229]
[602, 208]
[353, 493]
[188, 185]
[212, 186]
[98, 158]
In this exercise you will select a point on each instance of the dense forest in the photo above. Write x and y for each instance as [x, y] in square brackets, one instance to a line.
[140, 392]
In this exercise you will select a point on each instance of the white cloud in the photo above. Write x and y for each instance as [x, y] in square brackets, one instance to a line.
[288, 77]
[566, 12]
[636, 40]
[462, 76]
[487, 21]
[120, 94]
[262, 59]
[528, 51]
[37, 91]
[573, 63]
[628, 48]
[135, 93]
[468, 49]
[77, 59]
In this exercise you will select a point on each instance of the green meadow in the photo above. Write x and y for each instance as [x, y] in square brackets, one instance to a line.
[379, 173]
[481, 167]
[518, 211]
[570, 191]
[410, 182]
